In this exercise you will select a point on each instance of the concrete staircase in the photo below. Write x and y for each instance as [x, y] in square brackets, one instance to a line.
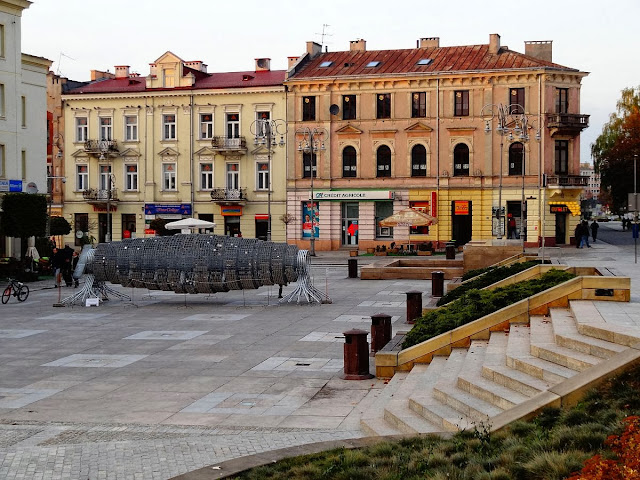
[472, 386]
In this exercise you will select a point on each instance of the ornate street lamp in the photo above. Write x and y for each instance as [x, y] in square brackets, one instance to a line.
[104, 154]
[265, 133]
[311, 143]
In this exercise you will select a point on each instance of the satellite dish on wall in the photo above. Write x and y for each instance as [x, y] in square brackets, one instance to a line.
[32, 187]
[334, 109]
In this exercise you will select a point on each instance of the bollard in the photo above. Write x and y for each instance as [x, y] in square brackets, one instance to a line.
[353, 268]
[356, 355]
[450, 249]
[380, 331]
[414, 305]
[437, 284]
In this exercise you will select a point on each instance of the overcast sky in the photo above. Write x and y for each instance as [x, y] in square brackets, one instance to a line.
[602, 38]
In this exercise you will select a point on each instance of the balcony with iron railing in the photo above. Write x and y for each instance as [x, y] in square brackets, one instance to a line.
[567, 123]
[97, 196]
[566, 181]
[229, 145]
[98, 147]
[229, 196]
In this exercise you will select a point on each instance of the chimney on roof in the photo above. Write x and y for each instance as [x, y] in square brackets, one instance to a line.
[100, 75]
[197, 65]
[263, 64]
[122, 71]
[291, 62]
[313, 49]
[359, 45]
[494, 43]
[429, 42]
[541, 50]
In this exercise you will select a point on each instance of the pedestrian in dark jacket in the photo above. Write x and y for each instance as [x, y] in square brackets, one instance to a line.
[67, 253]
[594, 230]
[57, 260]
[577, 234]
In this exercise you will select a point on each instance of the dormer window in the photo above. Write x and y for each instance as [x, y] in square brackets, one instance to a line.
[168, 78]
[373, 63]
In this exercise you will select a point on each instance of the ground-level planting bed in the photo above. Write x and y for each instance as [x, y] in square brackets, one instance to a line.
[475, 304]
[550, 447]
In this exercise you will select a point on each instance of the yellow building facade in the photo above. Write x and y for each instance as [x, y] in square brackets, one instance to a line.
[435, 128]
[177, 143]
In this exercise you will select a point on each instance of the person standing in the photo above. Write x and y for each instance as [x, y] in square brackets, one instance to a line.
[577, 234]
[67, 255]
[594, 230]
[585, 234]
[57, 260]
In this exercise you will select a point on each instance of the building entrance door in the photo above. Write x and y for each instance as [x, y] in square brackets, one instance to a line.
[350, 223]
[561, 229]
[461, 221]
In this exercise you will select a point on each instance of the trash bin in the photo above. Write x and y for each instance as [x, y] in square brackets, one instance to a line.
[380, 331]
[353, 268]
[437, 284]
[451, 250]
[414, 305]
[356, 355]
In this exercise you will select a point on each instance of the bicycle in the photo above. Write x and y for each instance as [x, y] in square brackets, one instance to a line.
[17, 289]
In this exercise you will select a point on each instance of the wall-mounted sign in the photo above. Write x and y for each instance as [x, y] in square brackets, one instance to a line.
[461, 207]
[231, 211]
[343, 195]
[310, 220]
[558, 209]
[154, 209]
[100, 208]
[10, 185]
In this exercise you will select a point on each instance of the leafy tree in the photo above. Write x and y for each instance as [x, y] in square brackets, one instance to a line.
[59, 226]
[24, 215]
[615, 147]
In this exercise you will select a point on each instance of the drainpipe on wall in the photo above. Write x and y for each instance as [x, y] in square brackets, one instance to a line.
[438, 158]
[191, 165]
[541, 190]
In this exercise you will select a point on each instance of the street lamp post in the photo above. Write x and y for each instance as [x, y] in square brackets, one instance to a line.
[265, 132]
[104, 151]
[515, 124]
[311, 143]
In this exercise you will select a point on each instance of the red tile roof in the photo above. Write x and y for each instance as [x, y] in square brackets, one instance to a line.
[203, 81]
[443, 59]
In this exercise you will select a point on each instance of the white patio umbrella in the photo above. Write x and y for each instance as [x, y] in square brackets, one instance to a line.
[187, 224]
[407, 218]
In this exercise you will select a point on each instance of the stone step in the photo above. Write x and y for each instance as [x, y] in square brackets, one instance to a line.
[519, 357]
[471, 380]
[372, 420]
[566, 335]
[543, 346]
[496, 370]
[397, 411]
[614, 328]
[470, 406]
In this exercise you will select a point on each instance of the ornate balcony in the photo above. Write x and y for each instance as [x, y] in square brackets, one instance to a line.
[566, 181]
[567, 123]
[229, 145]
[94, 196]
[229, 196]
[99, 147]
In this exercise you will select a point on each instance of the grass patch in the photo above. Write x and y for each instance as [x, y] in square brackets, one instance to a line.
[550, 447]
[489, 277]
[476, 304]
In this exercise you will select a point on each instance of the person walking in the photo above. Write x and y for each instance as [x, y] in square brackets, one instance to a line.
[594, 230]
[74, 264]
[67, 255]
[585, 234]
[577, 234]
[57, 261]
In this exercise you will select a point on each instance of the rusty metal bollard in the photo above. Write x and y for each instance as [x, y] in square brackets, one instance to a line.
[437, 284]
[353, 268]
[356, 355]
[414, 305]
[380, 331]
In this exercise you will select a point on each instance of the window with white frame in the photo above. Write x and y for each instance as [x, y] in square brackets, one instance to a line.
[131, 176]
[131, 128]
[261, 119]
[206, 126]
[82, 129]
[262, 176]
[233, 176]
[82, 178]
[206, 176]
[168, 176]
[169, 126]
[106, 126]
[105, 177]
[233, 125]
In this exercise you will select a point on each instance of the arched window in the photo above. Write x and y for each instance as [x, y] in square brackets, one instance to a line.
[461, 160]
[516, 152]
[419, 161]
[349, 162]
[383, 164]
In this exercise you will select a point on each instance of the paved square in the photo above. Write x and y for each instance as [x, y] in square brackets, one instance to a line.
[166, 335]
[75, 316]
[360, 318]
[98, 361]
[327, 337]
[19, 397]
[375, 303]
[216, 317]
[19, 333]
[306, 364]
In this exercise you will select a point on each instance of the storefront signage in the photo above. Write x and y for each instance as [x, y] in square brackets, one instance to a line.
[558, 208]
[149, 231]
[461, 207]
[154, 209]
[10, 185]
[98, 208]
[310, 220]
[231, 211]
[262, 216]
[354, 195]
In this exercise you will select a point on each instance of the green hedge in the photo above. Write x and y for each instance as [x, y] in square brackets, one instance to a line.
[492, 275]
[476, 304]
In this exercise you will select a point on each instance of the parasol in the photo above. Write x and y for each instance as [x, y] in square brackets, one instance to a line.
[186, 224]
[407, 218]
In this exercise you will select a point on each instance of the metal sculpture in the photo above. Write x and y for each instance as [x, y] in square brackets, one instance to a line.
[194, 263]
